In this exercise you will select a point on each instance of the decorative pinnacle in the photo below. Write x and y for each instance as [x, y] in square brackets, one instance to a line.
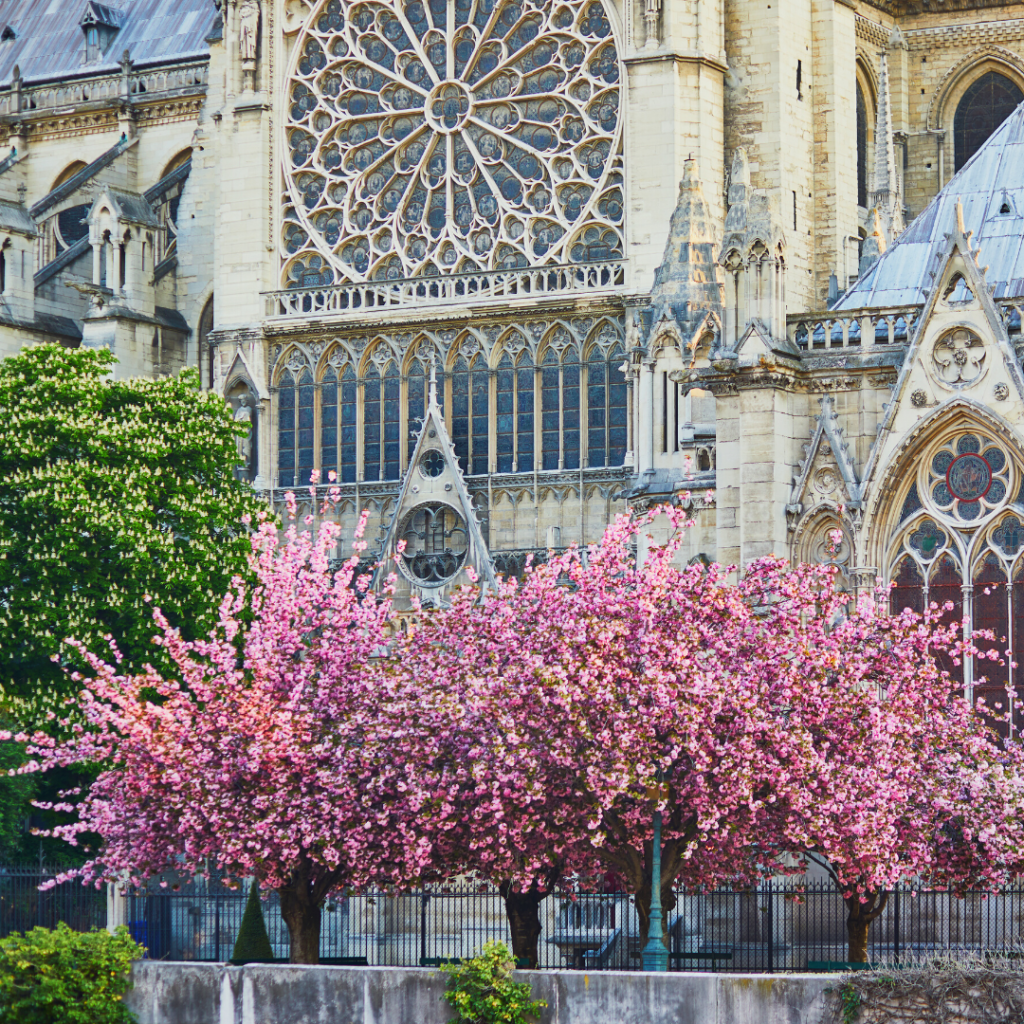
[432, 395]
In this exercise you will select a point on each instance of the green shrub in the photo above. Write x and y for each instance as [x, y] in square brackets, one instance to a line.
[481, 990]
[66, 977]
[253, 943]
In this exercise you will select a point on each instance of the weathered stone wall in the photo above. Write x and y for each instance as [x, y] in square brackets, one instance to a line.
[170, 993]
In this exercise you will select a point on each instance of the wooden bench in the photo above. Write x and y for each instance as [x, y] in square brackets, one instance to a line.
[436, 961]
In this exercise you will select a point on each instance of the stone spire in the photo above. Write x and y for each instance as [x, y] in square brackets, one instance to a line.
[885, 186]
[686, 285]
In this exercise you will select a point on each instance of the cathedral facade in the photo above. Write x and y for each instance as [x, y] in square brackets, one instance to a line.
[499, 270]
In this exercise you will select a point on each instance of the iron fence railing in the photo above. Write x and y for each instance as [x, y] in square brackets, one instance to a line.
[23, 906]
[778, 927]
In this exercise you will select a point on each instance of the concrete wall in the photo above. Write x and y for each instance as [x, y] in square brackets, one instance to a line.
[179, 993]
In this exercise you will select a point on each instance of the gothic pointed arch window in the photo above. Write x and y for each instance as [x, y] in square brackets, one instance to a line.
[570, 409]
[862, 147]
[959, 541]
[295, 428]
[416, 401]
[984, 106]
[371, 423]
[460, 412]
[505, 414]
[525, 381]
[606, 408]
[338, 411]
[391, 414]
[470, 422]
[549, 401]
[480, 418]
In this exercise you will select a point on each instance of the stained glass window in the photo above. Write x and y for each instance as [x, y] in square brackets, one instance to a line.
[984, 106]
[505, 414]
[606, 409]
[862, 148]
[338, 425]
[481, 422]
[462, 136]
[304, 466]
[392, 422]
[460, 412]
[371, 424]
[286, 431]
[525, 376]
[570, 411]
[549, 419]
[417, 402]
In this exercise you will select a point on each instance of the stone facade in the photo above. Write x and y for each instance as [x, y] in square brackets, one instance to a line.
[322, 203]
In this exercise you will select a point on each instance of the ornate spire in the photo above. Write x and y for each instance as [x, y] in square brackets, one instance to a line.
[686, 285]
[885, 187]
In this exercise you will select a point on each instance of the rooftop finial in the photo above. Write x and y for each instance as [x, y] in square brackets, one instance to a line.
[432, 395]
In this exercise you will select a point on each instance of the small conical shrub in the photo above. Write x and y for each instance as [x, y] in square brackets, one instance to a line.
[253, 943]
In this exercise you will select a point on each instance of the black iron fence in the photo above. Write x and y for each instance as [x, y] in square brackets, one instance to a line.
[23, 906]
[778, 927]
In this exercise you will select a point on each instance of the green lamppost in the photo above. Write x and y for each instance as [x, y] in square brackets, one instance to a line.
[655, 954]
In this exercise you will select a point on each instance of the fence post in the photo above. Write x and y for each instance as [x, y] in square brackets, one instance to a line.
[770, 923]
[216, 926]
[896, 924]
[424, 900]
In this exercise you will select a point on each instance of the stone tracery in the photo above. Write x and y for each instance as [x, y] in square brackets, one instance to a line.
[477, 134]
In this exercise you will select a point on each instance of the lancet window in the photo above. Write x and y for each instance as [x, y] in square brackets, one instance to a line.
[295, 429]
[961, 540]
[606, 408]
[470, 424]
[339, 399]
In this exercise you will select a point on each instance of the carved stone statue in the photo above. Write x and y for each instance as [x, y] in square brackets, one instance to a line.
[243, 414]
[248, 28]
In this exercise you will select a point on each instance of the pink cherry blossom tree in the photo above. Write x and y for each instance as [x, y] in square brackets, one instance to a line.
[902, 778]
[557, 702]
[249, 760]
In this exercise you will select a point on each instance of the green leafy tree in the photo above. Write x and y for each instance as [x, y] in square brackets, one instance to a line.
[116, 496]
[66, 977]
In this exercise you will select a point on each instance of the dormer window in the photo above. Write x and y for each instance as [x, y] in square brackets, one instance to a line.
[100, 24]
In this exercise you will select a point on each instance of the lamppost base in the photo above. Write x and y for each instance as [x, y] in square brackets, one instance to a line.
[655, 956]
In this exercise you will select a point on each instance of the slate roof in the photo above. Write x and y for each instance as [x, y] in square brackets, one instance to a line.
[991, 180]
[49, 42]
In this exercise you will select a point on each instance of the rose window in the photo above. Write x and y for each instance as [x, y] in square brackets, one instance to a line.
[458, 135]
[436, 542]
[968, 477]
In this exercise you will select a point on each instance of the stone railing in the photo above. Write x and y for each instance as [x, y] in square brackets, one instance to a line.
[859, 328]
[449, 289]
[852, 328]
[179, 78]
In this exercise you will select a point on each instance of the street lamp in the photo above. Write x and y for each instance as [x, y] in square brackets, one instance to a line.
[655, 954]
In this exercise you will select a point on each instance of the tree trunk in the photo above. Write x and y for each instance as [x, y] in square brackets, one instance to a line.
[862, 911]
[523, 912]
[301, 912]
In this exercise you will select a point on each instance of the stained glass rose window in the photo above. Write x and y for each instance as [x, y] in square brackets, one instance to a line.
[452, 135]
